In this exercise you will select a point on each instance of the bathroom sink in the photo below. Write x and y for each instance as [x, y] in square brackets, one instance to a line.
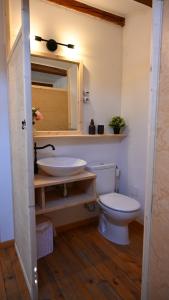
[61, 166]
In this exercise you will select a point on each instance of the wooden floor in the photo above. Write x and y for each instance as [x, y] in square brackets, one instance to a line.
[84, 266]
[12, 284]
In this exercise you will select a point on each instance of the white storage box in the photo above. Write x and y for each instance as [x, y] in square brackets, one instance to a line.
[44, 235]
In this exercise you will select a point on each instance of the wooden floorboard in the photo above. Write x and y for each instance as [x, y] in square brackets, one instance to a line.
[86, 266]
[21, 285]
[83, 266]
[12, 284]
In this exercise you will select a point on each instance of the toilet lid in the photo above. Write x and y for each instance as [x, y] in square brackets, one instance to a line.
[119, 202]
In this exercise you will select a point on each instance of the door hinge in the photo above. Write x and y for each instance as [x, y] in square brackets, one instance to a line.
[23, 124]
[35, 276]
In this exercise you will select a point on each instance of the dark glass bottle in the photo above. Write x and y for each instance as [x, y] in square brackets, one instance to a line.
[92, 127]
[100, 129]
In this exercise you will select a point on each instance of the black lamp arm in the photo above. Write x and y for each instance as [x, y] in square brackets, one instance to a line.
[52, 44]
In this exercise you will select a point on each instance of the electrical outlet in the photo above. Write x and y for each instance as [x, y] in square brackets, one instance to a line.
[86, 95]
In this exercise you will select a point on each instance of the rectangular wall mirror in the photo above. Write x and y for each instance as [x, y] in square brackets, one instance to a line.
[56, 93]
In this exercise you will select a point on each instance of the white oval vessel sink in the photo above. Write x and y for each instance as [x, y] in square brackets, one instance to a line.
[61, 166]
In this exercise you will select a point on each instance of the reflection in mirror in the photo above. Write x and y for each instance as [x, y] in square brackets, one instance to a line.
[55, 92]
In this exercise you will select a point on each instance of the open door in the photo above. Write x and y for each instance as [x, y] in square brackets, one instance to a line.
[20, 113]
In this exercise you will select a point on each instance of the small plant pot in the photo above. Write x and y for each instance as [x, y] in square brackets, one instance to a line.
[116, 130]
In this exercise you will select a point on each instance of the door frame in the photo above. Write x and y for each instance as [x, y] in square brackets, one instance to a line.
[23, 40]
[156, 47]
[157, 20]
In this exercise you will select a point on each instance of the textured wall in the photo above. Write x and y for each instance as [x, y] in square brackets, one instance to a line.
[135, 101]
[159, 246]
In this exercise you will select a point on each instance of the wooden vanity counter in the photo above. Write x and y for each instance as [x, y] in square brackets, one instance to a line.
[53, 193]
[43, 180]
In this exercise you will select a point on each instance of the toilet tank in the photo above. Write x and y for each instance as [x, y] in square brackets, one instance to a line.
[105, 180]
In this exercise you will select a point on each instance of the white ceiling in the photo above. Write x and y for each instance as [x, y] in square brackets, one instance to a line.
[121, 7]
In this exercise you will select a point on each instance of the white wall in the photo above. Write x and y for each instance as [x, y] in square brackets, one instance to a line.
[135, 101]
[6, 209]
[97, 43]
[109, 54]
[15, 19]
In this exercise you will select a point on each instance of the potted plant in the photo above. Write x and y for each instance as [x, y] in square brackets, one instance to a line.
[117, 123]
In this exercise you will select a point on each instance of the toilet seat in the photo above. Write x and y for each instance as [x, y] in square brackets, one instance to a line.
[119, 202]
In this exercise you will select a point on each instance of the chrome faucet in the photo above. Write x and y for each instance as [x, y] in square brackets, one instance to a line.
[35, 155]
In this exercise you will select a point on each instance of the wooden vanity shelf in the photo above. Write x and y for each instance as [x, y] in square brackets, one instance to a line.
[53, 193]
[42, 135]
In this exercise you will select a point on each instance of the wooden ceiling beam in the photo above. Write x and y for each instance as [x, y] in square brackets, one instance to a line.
[145, 2]
[47, 69]
[90, 10]
[38, 83]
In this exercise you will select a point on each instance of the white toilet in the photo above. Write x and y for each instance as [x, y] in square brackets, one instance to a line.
[117, 210]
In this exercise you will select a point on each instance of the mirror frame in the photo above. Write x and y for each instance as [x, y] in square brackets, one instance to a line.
[79, 99]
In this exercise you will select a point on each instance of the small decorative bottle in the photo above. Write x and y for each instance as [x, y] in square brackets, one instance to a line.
[92, 127]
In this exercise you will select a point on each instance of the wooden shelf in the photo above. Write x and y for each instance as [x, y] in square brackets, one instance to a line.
[49, 191]
[90, 136]
[66, 202]
[45, 180]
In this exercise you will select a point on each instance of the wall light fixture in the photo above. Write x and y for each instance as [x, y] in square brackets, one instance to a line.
[52, 44]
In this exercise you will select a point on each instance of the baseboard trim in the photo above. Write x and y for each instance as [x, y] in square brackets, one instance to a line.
[70, 226]
[7, 244]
